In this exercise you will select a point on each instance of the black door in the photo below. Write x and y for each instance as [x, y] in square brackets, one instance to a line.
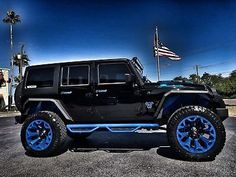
[115, 99]
[76, 92]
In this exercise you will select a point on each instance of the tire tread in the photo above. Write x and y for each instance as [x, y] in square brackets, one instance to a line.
[60, 134]
[174, 120]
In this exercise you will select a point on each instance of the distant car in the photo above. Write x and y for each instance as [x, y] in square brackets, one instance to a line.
[77, 98]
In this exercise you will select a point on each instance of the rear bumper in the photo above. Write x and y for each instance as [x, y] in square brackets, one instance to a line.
[223, 113]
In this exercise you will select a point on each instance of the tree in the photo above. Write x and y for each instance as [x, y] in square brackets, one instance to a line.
[206, 78]
[20, 60]
[233, 74]
[226, 86]
[11, 19]
[194, 78]
[232, 78]
[180, 78]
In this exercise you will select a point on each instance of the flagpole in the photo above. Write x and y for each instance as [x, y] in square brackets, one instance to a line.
[158, 58]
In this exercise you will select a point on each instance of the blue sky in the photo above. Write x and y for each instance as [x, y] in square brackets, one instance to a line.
[201, 32]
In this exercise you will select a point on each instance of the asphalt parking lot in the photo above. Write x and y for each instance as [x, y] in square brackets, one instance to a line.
[113, 155]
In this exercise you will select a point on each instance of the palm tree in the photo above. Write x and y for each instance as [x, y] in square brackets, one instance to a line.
[11, 19]
[21, 60]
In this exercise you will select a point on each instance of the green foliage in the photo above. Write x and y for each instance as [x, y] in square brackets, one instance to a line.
[11, 18]
[17, 79]
[180, 78]
[226, 86]
[20, 63]
[194, 78]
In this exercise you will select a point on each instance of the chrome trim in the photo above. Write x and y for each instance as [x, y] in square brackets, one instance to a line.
[74, 85]
[110, 83]
[25, 80]
[56, 102]
[68, 77]
[66, 92]
[159, 112]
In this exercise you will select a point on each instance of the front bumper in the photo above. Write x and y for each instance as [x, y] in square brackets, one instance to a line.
[223, 113]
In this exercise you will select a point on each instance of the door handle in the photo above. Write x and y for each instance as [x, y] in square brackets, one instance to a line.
[66, 92]
[89, 95]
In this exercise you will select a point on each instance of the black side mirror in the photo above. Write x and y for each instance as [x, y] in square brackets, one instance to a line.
[129, 78]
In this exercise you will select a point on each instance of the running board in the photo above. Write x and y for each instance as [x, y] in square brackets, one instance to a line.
[114, 128]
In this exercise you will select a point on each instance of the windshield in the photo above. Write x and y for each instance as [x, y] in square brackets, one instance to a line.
[139, 68]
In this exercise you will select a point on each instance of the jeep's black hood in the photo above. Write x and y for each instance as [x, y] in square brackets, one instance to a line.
[169, 85]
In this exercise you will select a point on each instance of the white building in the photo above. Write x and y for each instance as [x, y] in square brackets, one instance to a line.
[4, 75]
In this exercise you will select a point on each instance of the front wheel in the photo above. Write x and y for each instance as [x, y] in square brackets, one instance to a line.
[43, 134]
[196, 133]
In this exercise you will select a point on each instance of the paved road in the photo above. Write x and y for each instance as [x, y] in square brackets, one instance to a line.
[106, 154]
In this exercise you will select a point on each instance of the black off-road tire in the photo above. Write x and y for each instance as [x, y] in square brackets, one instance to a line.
[17, 96]
[59, 137]
[182, 113]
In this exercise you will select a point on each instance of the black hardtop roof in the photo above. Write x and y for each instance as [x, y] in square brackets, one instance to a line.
[81, 62]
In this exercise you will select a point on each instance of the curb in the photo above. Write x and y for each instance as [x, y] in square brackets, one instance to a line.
[9, 114]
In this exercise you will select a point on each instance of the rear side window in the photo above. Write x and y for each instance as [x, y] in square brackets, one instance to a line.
[75, 75]
[112, 73]
[40, 77]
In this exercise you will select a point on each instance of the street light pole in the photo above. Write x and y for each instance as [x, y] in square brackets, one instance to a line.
[11, 19]
[12, 69]
[156, 53]
[197, 72]
[21, 57]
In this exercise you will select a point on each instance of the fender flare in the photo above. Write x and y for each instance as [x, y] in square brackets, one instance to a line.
[158, 113]
[56, 102]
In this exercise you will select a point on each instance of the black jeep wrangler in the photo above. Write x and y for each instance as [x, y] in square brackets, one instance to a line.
[77, 98]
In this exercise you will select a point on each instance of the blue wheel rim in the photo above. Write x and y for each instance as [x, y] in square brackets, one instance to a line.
[196, 134]
[39, 135]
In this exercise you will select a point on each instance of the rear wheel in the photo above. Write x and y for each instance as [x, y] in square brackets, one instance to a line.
[17, 96]
[196, 133]
[43, 134]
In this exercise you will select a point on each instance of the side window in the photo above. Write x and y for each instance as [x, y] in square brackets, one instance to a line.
[75, 75]
[40, 77]
[65, 75]
[112, 73]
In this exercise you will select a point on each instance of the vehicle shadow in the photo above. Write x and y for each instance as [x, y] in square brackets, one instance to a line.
[116, 143]
[120, 143]
[124, 143]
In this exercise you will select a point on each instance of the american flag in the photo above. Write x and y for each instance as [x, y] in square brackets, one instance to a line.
[162, 51]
